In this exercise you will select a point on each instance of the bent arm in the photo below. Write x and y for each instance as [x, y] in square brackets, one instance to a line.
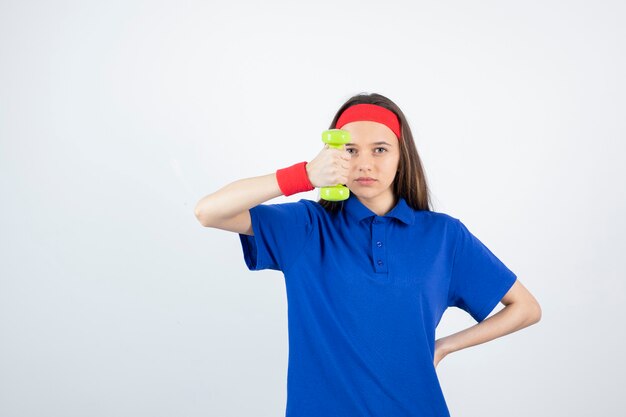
[521, 310]
[227, 208]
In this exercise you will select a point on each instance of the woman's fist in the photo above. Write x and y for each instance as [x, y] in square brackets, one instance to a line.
[330, 167]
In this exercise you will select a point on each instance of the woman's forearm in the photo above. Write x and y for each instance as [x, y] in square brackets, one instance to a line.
[237, 197]
[511, 318]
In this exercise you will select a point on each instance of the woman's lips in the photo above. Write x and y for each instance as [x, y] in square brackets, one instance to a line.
[366, 182]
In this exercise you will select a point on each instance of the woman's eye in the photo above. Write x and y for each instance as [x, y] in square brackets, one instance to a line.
[351, 149]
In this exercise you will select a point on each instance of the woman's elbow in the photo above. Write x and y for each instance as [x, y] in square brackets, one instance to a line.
[527, 313]
[199, 217]
[201, 213]
[534, 313]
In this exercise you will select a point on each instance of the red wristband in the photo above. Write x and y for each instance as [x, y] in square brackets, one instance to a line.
[294, 179]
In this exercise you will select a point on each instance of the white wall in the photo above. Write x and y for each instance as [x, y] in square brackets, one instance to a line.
[116, 117]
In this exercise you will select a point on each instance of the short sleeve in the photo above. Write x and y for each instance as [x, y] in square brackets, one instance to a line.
[479, 279]
[280, 234]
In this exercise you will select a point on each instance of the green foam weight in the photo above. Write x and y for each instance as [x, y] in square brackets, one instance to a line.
[335, 138]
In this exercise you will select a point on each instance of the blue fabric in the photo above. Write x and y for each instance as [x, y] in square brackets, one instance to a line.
[365, 294]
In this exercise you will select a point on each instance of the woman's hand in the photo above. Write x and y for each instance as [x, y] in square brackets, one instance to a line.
[330, 167]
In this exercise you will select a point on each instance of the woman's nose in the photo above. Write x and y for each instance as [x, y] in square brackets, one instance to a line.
[362, 162]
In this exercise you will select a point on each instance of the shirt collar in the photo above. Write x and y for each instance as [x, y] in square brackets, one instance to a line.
[401, 211]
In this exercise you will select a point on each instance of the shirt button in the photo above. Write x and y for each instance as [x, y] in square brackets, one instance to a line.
[379, 244]
[380, 262]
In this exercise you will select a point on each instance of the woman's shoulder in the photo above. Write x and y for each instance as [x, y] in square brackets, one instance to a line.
[315, 209]
[437, 222]
[437, 216]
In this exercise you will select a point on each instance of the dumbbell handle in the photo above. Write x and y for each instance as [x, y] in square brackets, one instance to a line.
[335, 138]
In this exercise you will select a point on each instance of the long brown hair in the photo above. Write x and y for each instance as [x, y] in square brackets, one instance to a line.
[410, 181]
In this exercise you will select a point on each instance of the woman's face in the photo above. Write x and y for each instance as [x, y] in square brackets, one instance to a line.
[375, 153]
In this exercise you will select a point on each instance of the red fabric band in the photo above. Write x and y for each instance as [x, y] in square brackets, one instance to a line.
[294, 179]
[371, 112]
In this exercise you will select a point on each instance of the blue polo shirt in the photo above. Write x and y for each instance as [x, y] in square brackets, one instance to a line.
[365, 294]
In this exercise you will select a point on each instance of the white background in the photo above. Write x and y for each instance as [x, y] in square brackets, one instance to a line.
[117, 117]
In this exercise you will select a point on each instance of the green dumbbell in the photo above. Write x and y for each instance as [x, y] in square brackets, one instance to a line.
[335, 138]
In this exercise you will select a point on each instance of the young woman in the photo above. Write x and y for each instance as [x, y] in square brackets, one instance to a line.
[368, 278]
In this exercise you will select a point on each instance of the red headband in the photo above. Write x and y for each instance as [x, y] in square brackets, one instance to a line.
[370, 112]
